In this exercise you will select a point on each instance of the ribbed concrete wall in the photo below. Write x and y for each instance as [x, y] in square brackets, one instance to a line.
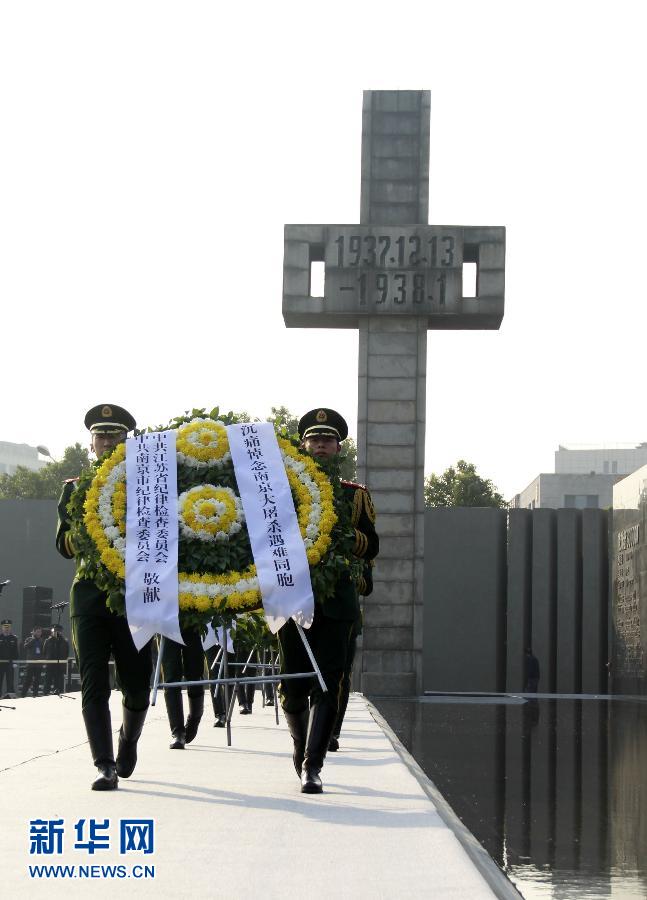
[465, 590]
[493, 588]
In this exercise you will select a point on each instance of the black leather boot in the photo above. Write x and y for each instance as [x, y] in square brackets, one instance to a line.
[320, 726]
[175, 713]
[298, 728]
[241, 695]
[196, 708]
[131, 729]
[218, 708]
[98, 726]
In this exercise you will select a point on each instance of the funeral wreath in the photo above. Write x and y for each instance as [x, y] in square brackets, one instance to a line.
[217, 576]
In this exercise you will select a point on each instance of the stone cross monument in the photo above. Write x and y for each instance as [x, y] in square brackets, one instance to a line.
[393, 277]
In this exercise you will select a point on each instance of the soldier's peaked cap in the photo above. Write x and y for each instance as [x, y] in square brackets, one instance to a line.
[108, 418]
[6, 622]
[323, 421]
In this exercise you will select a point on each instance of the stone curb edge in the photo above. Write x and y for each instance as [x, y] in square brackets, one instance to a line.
[495, 878]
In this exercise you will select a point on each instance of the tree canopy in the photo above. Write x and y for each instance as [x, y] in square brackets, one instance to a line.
[461, 486]
[45, 483]
[282, 418]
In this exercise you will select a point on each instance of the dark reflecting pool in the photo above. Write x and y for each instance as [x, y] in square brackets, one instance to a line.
[554, 789]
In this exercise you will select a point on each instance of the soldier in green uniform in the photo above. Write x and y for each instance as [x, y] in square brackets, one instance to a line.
[97, 633]
[311, 726]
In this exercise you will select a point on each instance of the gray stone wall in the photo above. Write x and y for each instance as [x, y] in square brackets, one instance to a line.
[28, 556]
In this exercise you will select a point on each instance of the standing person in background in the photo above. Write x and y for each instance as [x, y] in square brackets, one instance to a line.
[244, 692]
[33, 648]
[8, 655]
[531, 670]
[56, 648]
[97, 633]
[183, 663]
[218, 692]
[268, 689]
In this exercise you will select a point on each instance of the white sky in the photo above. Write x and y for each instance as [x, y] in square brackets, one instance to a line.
[151, 153]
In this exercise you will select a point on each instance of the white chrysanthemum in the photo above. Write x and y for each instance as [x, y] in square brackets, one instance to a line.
[200, 588]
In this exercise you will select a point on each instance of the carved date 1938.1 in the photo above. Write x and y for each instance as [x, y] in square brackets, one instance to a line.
[399, 288]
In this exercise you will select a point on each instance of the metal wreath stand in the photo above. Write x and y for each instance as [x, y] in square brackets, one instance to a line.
[225, 681]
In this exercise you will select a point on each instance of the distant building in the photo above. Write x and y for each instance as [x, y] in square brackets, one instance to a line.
[600, 460]
[14, 455]
[583, 478]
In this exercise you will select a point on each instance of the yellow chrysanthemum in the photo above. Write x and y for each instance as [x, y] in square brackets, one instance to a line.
[202, 442]
[208, 512]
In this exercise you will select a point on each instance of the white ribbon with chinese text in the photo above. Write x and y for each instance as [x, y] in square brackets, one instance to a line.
[279, 553]
[152, 537]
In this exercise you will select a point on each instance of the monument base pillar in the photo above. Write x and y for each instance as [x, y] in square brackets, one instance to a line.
[391, 453]
[389, 684]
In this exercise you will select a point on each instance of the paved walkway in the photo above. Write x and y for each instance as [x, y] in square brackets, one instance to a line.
[228, 822]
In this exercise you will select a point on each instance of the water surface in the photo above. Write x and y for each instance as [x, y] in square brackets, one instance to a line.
[553, 788]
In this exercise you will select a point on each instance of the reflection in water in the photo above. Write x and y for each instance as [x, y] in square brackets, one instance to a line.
[554, 789]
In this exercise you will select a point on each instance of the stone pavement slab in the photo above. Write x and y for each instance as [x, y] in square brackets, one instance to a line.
[228, 821]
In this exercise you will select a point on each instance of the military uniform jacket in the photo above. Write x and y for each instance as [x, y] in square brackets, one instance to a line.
[85, 597]
[344, 604]
[8, 647]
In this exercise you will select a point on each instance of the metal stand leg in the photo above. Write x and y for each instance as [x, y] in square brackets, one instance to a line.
[312, 659]
[158, 665]
[221, 687]
[217, 660]
[249, 659]
[275, 688]
[214, 690]
[225, 674]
